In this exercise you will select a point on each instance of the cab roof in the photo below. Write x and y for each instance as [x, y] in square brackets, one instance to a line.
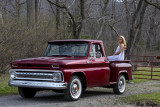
[75, 40]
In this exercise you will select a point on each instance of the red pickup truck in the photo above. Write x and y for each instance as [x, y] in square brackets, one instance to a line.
[69, 66]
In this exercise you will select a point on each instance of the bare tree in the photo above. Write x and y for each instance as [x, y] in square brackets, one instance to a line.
[133, 27]
[103, 18]
[76, 25]
[139, 27]
[150, 3]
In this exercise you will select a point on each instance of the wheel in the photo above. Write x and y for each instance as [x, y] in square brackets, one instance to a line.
[27, 92]
[74, 89]
[120, 86]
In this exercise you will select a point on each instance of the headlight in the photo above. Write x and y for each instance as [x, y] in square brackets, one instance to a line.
[57, 76]
[12, 75]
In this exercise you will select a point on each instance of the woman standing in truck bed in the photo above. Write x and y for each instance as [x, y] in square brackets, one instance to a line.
[120, 51]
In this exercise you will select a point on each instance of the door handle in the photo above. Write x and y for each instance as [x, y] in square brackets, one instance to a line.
[92, 59]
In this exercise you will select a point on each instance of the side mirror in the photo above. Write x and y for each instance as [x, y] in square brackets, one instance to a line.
[158, 57]
[98, 54]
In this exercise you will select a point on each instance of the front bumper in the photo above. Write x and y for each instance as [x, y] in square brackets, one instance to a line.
[37, 84]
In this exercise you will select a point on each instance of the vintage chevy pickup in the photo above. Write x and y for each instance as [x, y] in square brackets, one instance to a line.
[69, 66]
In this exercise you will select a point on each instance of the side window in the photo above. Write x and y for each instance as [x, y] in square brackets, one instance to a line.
[96, 51]
[92, 52]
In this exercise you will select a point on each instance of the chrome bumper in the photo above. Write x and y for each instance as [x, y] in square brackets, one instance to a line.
[37, 84]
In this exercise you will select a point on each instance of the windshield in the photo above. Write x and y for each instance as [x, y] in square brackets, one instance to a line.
[67, 49]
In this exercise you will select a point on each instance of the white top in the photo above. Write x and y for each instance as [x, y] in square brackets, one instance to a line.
[119, 57]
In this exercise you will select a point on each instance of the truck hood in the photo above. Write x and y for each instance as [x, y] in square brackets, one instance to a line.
[53, 60]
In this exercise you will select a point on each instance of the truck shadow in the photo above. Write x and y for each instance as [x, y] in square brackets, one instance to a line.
[51, 97]
[90, 93]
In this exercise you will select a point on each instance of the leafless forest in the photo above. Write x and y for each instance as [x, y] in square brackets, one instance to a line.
[27, 25]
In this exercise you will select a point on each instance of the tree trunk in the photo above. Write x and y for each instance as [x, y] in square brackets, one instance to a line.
[133, 28]
[127, 16]
[81, 22]
[30, 12]
[57, 19]
[139, 28]
[152, 39]
[1, 15]
[17, 3]
[36, 11]
[114, 31]
[103, 19]
[76, 26]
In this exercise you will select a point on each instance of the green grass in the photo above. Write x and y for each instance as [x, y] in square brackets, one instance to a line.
[155, 85]
[153, 97]
[143, 98]
[145, 72]
[4, 88]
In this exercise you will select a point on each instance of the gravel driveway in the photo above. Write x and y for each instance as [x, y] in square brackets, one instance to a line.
[93, 97]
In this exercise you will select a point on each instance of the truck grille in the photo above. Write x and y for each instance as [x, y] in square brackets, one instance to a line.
[34, 75]
[29, 75]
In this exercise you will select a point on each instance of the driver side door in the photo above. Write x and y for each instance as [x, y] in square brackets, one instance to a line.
[101, 71]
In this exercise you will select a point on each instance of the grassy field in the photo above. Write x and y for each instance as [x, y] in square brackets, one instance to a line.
[146, 73]
[143, 98]
[4, 88]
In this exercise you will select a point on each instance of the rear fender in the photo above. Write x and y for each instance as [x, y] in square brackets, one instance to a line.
[117, 74]
[125, 73]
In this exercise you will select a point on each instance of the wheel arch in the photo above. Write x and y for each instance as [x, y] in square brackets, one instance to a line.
[125, 73]
[82, 77]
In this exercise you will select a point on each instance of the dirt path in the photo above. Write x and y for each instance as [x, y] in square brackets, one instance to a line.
[93, 97]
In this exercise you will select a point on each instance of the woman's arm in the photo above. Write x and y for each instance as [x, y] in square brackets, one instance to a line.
[120, 50]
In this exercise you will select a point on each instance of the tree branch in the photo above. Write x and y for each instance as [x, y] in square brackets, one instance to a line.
[77, 26]
[82, 17]
[156, 6]
[114, 29]
[65, 8]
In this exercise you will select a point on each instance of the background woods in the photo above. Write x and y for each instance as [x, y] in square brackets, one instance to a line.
[27, 25]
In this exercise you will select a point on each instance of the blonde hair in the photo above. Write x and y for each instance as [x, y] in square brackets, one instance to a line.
[124, 41]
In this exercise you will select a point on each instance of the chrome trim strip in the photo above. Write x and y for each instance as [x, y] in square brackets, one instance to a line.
[39, 70]
[38, 84]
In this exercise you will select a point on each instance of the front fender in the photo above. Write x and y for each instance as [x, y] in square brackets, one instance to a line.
[68, 73]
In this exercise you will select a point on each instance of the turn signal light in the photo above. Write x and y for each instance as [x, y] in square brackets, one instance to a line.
[15, 65]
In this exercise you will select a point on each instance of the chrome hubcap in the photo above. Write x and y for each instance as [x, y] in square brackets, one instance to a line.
[76, 88]
[122, 84]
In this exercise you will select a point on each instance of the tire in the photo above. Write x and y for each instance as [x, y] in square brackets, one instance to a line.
[74, 89]
[84, 89]
[27, 92]
[120, 86]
